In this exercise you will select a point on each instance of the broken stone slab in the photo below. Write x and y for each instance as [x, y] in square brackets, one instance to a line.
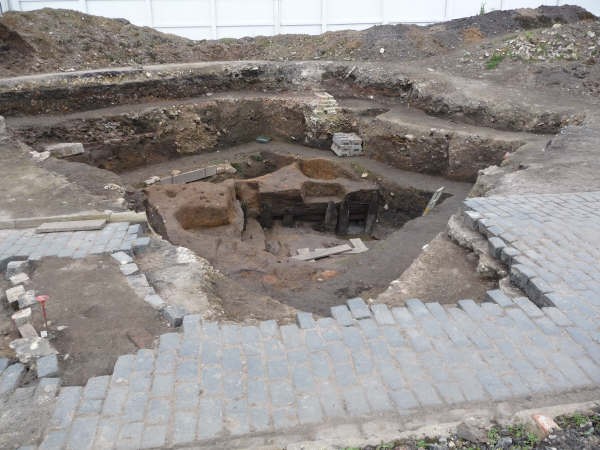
[16, 267]
[174, 315]
[19, 278]
[122, 258]
[155, 301]
[27, 331]
[358, 246]
[28, 349]
[129, 269]
[323, 252]
[74, 225]
[27, 299]
[65, 149]
[47, 366]
[13, 294]
[22, 317]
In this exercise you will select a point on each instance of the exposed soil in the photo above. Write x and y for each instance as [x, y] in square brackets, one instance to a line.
[61, 40]
[103, 316]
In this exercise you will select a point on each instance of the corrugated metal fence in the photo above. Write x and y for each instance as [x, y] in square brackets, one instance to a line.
[208, 19]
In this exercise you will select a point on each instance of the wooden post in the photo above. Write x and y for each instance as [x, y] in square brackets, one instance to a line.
[343, 218]
[331, 217]
[372, 213]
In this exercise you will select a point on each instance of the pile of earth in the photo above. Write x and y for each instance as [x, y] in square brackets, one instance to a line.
[62, 40]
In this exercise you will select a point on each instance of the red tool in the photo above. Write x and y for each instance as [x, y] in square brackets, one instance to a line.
[42, 299]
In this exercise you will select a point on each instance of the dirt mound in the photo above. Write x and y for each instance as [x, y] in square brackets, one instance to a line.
[66, 40]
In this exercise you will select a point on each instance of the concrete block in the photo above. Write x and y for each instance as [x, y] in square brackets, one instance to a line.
[13, 294]
[65, 149]
[47, 366]
[174, 315]
[140, 244]
[15, 267]
[27, 299]
[27, 331]
[22, 317]
[305, 320]
[122, 258]
[129, 269]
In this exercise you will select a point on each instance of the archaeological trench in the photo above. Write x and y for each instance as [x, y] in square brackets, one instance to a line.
[229, 165]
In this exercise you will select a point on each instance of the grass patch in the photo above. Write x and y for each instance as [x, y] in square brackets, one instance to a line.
[494, 61]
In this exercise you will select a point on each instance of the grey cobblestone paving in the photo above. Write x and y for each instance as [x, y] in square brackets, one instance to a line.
[26, 244]
[221, 380]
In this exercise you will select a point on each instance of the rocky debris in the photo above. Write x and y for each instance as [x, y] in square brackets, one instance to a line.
[65, 149]
[28, 349]
[558, 43]
[546, 425]
[473, 429]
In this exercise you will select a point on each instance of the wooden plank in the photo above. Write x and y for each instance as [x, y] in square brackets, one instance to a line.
[323, 252]
[75, 225]
[359, 246]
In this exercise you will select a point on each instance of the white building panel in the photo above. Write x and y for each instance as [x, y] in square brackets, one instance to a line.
[136, 11]
[181, 13]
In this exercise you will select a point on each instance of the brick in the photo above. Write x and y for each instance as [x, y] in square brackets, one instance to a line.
[65, 149]
[498, 297]
[382, 314]
[495, 247]
[210, 422]
[47, 366]
[82, 433]
[356, 401]
[122, 258]
[130, 436]
[154, 436]
[342, 315]
[305, 320]
[66, 405]
[11, 377]
[174, 314]
[309, 410]
[358, 308]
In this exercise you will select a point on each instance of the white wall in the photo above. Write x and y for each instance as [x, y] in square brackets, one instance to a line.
[205, 19]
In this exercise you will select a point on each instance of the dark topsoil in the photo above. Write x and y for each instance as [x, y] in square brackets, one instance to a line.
[103, 316]
[50, 40]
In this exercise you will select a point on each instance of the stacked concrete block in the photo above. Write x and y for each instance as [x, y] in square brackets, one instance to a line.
[347, 144]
